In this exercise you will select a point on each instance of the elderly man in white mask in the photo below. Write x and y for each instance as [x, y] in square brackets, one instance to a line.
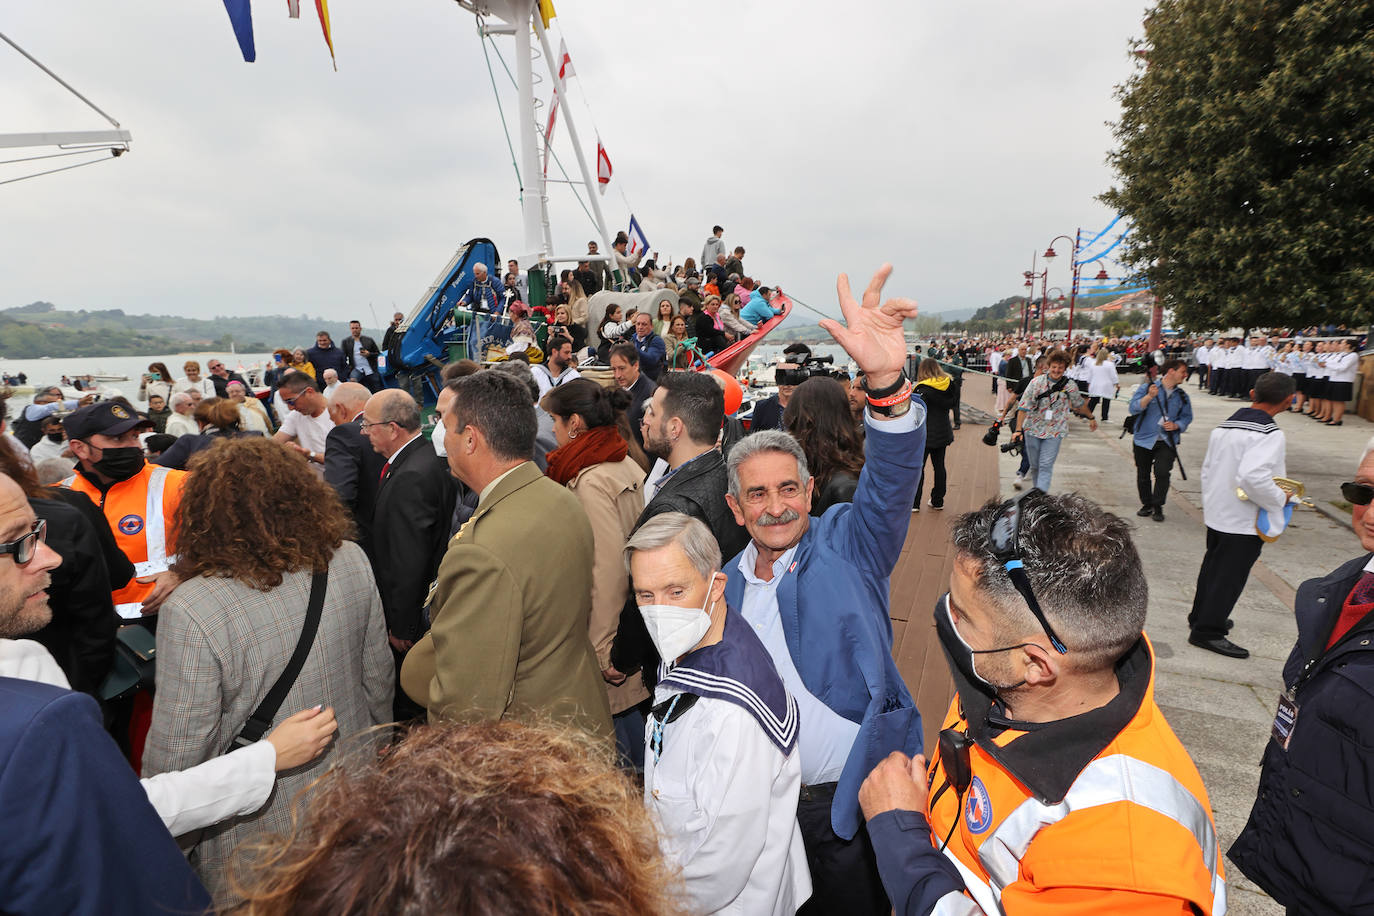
[722, 771]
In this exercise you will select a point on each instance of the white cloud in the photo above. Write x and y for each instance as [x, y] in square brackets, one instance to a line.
[951, 139]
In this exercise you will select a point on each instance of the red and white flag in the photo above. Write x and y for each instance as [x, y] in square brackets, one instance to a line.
[293, 9]
[548, 130]
[603, 166]
[565, 67]
[565, 70]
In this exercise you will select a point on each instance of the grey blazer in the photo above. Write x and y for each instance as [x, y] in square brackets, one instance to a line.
[221, 646]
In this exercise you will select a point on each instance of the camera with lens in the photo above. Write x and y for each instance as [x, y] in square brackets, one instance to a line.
[808, 367]
[1013, 447]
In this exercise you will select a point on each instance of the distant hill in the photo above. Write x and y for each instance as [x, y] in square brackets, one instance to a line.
[41, 329]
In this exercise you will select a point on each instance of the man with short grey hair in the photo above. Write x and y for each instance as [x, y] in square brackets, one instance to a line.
[1055, 753]
[816, 592]
[181, 423]
[721, 767]
[351, 465]
[410, 521]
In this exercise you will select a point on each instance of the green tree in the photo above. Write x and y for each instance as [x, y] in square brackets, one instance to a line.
[1245, 161]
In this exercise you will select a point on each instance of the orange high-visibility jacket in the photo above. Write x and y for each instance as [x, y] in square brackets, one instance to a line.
[1132, 835]
[141, 512]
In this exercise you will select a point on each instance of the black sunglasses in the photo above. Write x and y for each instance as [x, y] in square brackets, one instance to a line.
[25, 547]
[1005, 537]
[1357, 494]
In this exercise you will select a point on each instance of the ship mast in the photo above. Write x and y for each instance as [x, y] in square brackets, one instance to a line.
[520, 18]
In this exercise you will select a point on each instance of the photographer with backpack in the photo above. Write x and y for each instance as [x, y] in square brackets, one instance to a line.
[1162, 412]
[1044, 413]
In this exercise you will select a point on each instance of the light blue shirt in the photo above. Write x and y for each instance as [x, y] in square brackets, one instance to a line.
[826, 737]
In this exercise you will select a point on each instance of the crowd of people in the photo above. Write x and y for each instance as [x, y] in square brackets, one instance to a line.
[596, 647]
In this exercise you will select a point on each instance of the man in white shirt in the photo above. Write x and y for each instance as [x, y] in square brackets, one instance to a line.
[559, 368]
[1200, 356]
[252, 415]
[331, 382]
[722, 770]
[307, 422]
[181, 423]
[52, 445]
[1245, 452]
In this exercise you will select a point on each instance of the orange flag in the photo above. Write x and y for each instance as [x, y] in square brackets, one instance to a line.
[322, 7]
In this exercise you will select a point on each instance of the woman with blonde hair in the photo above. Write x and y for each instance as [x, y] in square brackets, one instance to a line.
[1103, 382]
[678, 356]
[578, 304]
[936, 389]
[194, 381]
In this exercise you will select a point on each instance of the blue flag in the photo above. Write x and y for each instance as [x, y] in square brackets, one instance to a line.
[241, 18]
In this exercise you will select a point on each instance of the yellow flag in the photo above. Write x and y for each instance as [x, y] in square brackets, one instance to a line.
[546, 12]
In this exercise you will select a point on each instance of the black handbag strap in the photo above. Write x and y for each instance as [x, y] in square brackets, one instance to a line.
[261, 719]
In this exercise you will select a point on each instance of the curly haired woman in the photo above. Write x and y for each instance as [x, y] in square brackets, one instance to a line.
[255, 524]
[496, 818]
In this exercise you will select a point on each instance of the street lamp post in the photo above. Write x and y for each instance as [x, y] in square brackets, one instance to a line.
[1049, 256]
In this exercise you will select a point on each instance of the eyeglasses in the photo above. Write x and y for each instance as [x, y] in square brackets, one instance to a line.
[1005, 537]
[291, 402]
[1357, 494]
[365, 425]
[25, 547]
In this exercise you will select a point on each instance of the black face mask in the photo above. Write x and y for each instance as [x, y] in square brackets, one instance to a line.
[119, 464]
[55, 437]
[961, 654]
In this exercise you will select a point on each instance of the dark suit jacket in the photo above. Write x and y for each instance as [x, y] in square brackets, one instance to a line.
[697, 489]
[410, 525]
[75, 808]
[353, 468]
[1018, 372]
[767, 414]
[351, 357]
[640, 391]
[709, 340]
[81, 634]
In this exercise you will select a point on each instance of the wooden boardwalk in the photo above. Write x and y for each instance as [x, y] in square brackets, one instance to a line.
[922, 573]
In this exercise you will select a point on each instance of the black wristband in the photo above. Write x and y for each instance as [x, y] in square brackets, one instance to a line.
[887, 392]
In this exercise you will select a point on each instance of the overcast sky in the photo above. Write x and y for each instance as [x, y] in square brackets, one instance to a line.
[948, 138]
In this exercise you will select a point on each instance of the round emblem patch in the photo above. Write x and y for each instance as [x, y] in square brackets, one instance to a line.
[131, 524]
[978, 808]
[120, 412]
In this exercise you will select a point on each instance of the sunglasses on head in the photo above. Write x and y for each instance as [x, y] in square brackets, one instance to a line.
[1357, 494]
[1006, 547]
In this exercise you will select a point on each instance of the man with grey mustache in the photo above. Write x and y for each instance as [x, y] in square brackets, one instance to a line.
[816, 592]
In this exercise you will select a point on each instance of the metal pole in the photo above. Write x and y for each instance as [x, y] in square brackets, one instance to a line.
[593, 190]
[1073, 287]
[1044, 295]
[531, 178]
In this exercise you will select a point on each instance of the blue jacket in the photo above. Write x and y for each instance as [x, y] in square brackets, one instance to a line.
[79, 833]
[834, 607]
[1147, 428]
[652, 352]
[757, 311]
[1310, 837]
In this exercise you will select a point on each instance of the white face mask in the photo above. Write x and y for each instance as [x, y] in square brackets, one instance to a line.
[676, 630]
[437, 437]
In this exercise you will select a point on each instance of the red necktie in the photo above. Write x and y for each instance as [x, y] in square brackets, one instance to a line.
[382, 476]
[1360, 603]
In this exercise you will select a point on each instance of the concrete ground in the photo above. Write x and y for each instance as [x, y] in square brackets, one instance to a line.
[1220, 708]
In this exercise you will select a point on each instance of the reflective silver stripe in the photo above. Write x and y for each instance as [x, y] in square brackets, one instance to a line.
[133, 609]
[956, 904]
[1105, 781]
[154, 525]
[987, 901]
[70, 481]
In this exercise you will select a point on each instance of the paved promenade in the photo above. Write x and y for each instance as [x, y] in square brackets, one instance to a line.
[1220, 708]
